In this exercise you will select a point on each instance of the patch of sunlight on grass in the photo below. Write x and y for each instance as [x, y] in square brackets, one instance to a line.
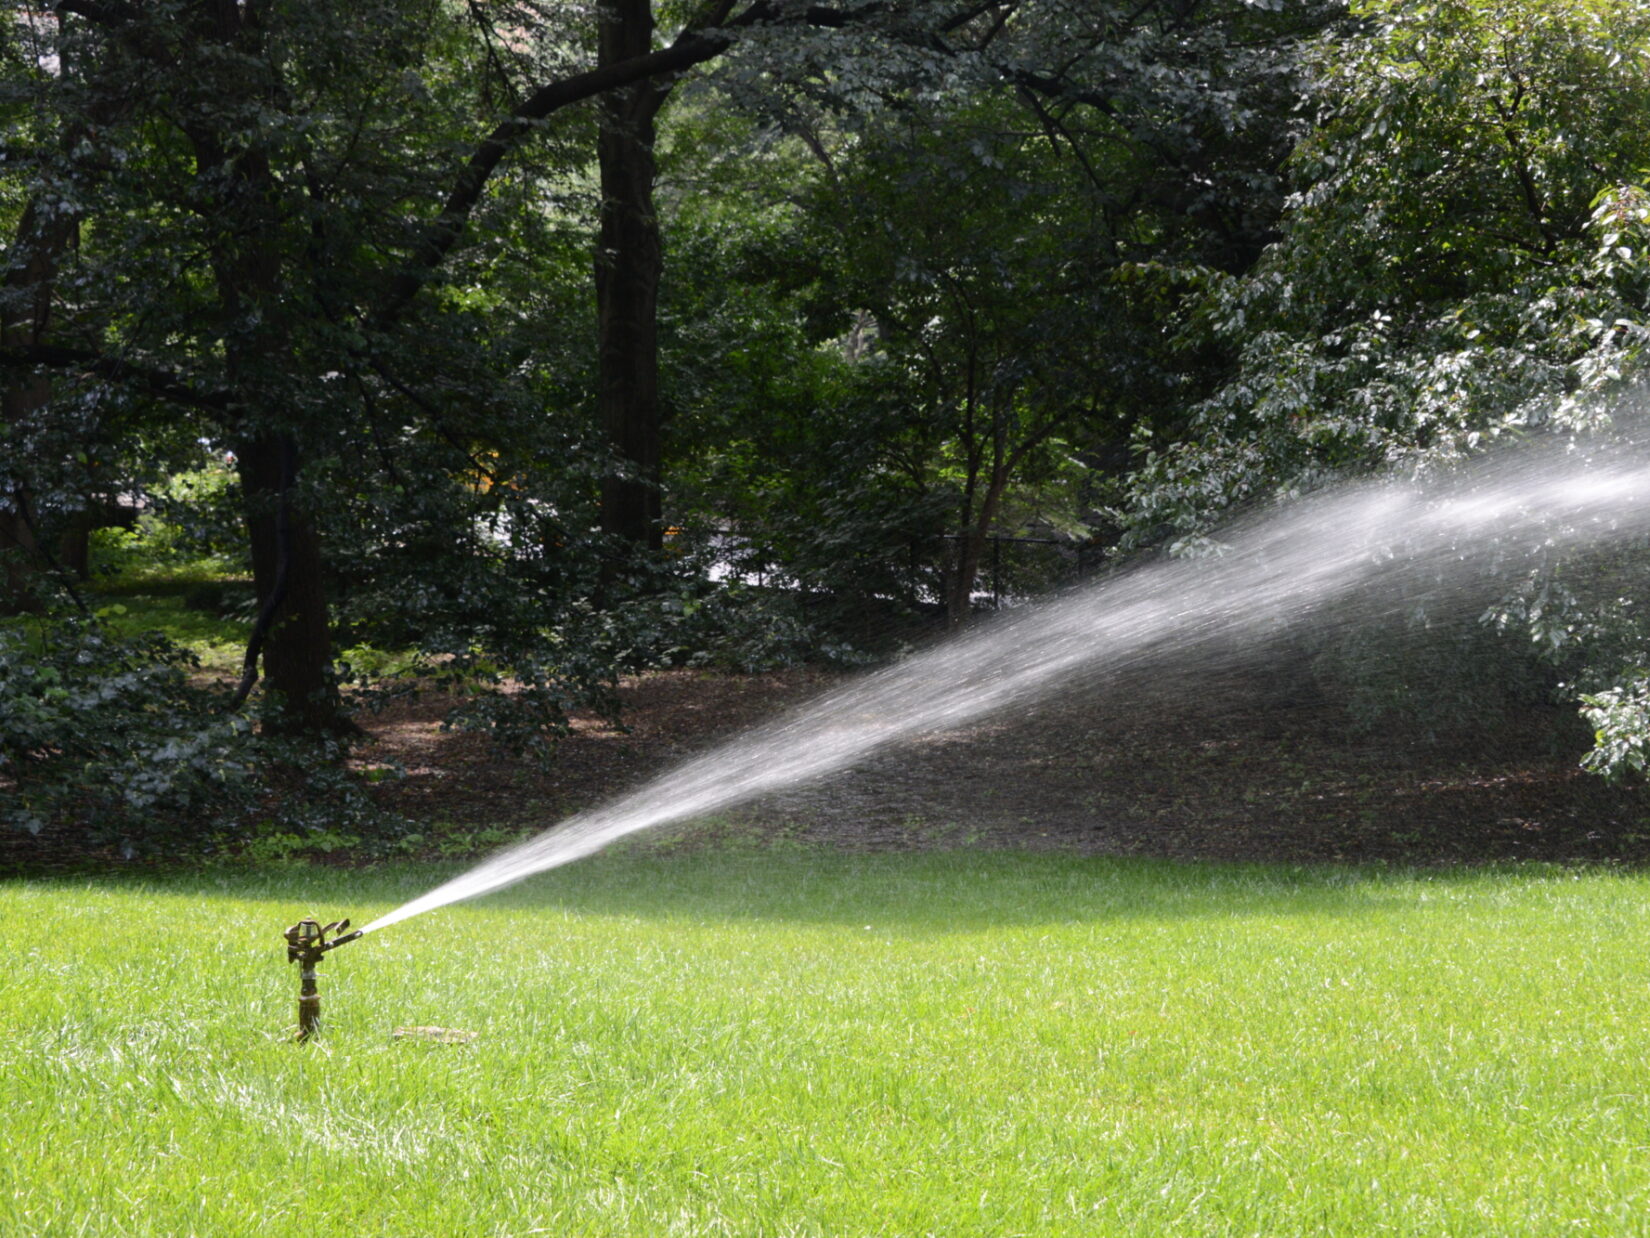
[140, 583]
[815, 1044]
[218, 642]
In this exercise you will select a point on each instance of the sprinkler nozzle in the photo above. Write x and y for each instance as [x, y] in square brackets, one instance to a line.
[306, 942]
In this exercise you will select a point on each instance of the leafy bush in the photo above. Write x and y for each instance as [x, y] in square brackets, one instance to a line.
[106, 737]
[748, 628]
[1620, 718]
[202, 512]
[1429, 681]
[107, 731]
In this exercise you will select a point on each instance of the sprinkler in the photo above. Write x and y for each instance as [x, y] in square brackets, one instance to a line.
[306, 942]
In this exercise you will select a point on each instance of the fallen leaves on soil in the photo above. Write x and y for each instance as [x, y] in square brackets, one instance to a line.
[1207, 770]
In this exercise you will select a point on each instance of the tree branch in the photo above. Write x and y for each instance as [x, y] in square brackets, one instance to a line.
[99, 12]
[694, 46]
[444, 233]
[162, 384]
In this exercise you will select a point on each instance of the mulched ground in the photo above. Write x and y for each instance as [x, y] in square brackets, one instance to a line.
[1227, 769]
[1223, 770]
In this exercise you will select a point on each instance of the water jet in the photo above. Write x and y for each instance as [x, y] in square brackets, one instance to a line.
[1377, 546]
[306, 942]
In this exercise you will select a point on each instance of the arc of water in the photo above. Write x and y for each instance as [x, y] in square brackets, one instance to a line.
[1277, 568]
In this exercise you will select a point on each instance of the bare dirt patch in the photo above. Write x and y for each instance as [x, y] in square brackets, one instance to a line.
[1185, 769]
[666, 717]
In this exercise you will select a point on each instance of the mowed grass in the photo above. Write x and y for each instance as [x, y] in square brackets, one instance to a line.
[794, 1044]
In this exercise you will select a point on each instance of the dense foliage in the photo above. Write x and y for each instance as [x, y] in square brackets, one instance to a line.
[1464, 263]
[943, 300]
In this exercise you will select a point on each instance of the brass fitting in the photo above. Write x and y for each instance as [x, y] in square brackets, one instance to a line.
[306, 942]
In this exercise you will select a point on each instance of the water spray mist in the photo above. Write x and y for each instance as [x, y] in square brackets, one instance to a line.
[1388, 541]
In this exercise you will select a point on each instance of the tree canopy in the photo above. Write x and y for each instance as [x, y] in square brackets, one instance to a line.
[546, 342]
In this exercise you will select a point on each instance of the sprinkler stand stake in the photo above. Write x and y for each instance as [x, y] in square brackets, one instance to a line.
[306, 942]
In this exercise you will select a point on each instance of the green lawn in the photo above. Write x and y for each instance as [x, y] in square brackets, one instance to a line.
[794, 1043]
[136, 603]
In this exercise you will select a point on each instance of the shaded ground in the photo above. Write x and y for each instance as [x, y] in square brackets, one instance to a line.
[1192, 769]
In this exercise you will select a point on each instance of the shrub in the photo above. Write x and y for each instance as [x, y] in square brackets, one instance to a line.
[108, 733]
[107, 738]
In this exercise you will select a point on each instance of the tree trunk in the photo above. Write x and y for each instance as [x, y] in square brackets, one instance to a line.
[42, 237]
[287, 575]
[977, 531]
[971, 544]
[19, 555]
[74, 545]
[628, 266]
[1006, 459]
[965, 565]
[292, 634]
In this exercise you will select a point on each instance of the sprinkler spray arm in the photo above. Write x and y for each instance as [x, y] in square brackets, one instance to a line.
[306, 942]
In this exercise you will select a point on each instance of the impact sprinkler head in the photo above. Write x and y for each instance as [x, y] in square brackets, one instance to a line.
[306, 942]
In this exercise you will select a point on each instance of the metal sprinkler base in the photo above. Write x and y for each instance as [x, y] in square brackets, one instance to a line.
[306, 942]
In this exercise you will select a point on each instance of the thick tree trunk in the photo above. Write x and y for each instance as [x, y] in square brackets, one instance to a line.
[292, 634]
[42, 237]
[287, 574]
[629, 262]
[74, 544]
